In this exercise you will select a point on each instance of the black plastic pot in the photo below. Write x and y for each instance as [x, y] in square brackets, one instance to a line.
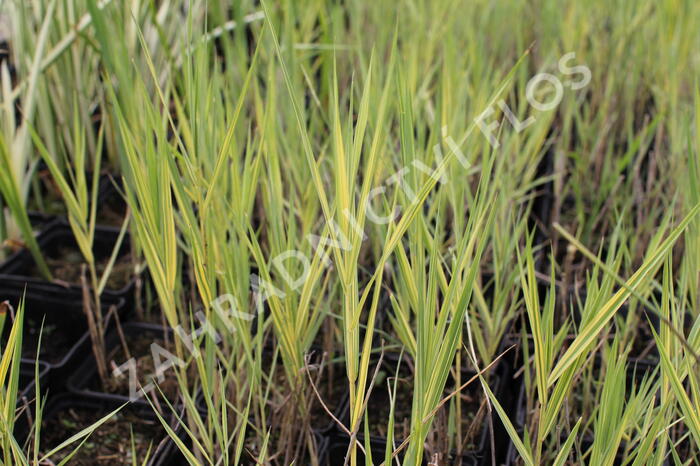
[339, 442]
[100, 406]
[40, 220]
[85, 381]
[63, 338]
[380, 397]
[111, 206]
[58, 235]
[170, 454]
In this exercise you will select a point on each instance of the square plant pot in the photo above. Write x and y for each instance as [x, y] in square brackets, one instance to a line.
[57, 316]
[378, 409]
[111, 207]
[85, 381]
[60, 249]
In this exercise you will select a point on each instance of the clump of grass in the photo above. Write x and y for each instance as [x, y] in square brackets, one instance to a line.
[259, 142]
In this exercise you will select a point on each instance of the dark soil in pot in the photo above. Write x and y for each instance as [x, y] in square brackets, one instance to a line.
[112, 209]
[473, 415]
[65, 260]
[379, 405]
[111, 443]
[540, 215]
[47, 200]
[66, 263]
[56, 339]
[471, 400]
[138, 338]
[140, 348]
[170, 454]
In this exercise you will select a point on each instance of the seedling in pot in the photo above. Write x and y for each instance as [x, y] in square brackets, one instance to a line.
[81, 203]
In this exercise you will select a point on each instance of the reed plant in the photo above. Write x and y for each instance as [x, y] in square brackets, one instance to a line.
[318, 175]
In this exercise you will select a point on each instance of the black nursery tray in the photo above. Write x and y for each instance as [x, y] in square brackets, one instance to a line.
[63, 339]
[65, 415]
[40, 220]
[58, 246]
[85, 381]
